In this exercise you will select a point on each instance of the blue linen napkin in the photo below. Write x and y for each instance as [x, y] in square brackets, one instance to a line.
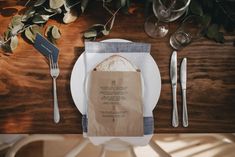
[148, 125]
[46, 48]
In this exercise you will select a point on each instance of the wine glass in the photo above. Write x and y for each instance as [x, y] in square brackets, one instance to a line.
[164, 11]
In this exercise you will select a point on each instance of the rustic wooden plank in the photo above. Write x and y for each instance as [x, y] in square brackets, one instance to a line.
[26, 99]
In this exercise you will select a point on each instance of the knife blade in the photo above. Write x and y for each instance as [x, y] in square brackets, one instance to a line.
[173, 75]
[183, 81]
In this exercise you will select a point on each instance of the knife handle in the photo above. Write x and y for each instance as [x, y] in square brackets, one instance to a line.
[175, 121]
[185, 111]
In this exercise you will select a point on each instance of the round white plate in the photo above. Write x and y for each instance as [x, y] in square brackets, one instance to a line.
[150, 74]
[147, 65]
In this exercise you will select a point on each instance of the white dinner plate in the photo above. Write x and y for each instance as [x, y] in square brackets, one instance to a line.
[151, 80]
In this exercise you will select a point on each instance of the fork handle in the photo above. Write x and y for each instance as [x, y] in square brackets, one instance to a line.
[56, 107]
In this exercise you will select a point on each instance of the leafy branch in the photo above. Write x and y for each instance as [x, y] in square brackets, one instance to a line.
[214, 15]
[35, 18]
[37, 15]
[100, 30]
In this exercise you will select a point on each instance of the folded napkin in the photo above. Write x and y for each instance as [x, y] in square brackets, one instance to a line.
[148, 125]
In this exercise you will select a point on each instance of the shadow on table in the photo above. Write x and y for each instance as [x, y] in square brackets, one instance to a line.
[77, 52]
[7, 12]
[197, 144]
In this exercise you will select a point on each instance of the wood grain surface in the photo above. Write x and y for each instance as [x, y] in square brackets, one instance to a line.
[26, 100]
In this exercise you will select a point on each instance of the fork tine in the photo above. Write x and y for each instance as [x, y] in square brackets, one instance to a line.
[56, 65]
[52, 62]
[53, 65]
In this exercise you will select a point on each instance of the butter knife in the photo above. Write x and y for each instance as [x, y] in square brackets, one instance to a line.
[173, 75]
[183, 81]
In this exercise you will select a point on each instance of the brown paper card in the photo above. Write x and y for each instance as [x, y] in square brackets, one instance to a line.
[115, 104]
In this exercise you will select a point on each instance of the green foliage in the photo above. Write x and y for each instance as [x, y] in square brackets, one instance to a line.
[52, 33]
[196, 8]
[214, 15]
[100, 30]
[36, 17]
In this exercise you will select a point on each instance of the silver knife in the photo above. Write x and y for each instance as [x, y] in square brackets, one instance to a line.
[183, 80]
[173, 74]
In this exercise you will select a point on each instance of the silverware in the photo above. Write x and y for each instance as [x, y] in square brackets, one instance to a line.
[54, 70]
[173, 75]
[183, 80]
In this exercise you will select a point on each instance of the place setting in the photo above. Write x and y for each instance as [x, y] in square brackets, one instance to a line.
[51, 52]
[96, 98]
[116, 58]
[136, 76]
[116, 83]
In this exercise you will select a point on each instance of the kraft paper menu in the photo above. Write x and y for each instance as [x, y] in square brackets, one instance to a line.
[115, 105]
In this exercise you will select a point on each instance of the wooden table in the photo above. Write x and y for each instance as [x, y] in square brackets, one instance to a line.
[26, 100]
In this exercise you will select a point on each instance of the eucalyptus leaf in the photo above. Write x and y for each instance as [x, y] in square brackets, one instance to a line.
[49, 10]
[97, 30]
[52, 33]
[6, 47]
[69, 3]
[98, 27]
[45, 17]
[196, 8]
[55, 32]
[205, 20]
[39, 2]
[13, 43]
[16, 29]
[31, 32]
[90, 34]
[7, 34]
[54, 4]
[126, 7]
[28, 14]
[84, 5]
[105, 32]
[212, 31]
[70, 16]
[58, 10]
[35, 29]
[29, 35]
[219, 37]
[123, 3]
[38, 19]
[41, 11]
[66, 7]
[25, 18]
[48, 31]
[16, 20]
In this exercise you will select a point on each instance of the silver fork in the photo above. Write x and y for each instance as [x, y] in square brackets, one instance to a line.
[55, 71]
